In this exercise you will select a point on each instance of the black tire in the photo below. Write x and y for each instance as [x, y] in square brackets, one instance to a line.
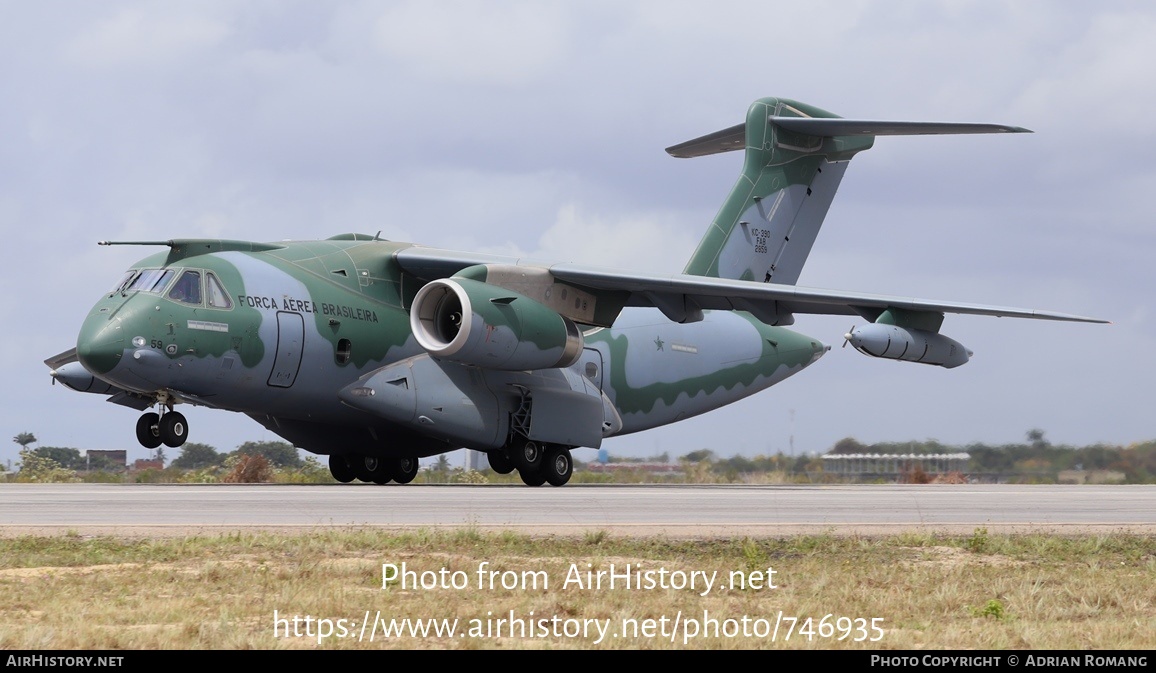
[341, 470]
[500, 462]
[532, 478]
[371, 469]
[526, 455]
[147, 432]
[557, 465]
[357, 463]
[174, 429]
[405, 469]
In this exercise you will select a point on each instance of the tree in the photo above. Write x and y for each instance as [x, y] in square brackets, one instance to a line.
[37, 468]
[848, 445]
[1036, 438]
[68, 459]
[24, 439]
[279, 454]
[195, 456]
[699, 456]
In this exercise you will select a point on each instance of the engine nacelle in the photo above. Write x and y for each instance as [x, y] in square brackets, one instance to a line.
[908, 344]
[474, 323]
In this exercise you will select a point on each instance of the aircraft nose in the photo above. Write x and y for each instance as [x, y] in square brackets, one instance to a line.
[100, 344]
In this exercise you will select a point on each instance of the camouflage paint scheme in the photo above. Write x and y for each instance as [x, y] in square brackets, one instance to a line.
[365, 349]
[652, 371]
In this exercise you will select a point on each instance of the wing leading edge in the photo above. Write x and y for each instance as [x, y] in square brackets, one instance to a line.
[682, 297]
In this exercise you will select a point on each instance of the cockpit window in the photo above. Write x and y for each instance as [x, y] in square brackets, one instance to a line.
[218, 298]
[150, 280]
[187, 289]
[124, 281]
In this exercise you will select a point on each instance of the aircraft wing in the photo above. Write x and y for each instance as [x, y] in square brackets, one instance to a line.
[683, 297]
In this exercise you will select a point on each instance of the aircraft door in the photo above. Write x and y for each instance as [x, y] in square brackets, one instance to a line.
[290, 343]
[590, 366]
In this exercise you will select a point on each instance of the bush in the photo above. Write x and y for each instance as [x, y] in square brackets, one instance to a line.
[253, 469]
[38, 469]
[310, 472]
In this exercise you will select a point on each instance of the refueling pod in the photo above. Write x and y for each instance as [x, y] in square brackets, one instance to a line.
[909, 344]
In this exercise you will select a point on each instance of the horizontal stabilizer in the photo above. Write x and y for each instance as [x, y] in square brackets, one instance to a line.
[857, 127]
[725, 140]
[733, 138]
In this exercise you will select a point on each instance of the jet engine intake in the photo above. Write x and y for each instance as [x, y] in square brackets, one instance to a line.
[475, 323]
[909, 344]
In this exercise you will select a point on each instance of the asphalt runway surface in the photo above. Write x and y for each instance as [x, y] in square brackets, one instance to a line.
[671, 510]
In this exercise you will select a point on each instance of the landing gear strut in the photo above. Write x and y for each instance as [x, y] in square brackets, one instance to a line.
[537, 463]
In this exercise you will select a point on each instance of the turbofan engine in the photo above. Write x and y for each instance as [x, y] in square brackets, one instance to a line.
[475, 323]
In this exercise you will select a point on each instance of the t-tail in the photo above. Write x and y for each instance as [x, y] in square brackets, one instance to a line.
[796, 155]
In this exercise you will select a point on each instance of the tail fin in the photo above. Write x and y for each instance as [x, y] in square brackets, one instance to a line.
[796, 155]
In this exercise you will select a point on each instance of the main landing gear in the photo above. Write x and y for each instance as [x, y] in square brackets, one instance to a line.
[536, 463]
[169, 428]
[372, 469]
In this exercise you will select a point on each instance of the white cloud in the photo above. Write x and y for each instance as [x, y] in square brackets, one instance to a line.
[1101, 81]
[646, 242]
[144, 38]
[473, 42]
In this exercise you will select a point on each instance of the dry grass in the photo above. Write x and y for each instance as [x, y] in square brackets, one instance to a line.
[930, 591]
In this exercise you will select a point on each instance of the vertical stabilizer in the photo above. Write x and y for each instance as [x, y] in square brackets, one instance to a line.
[795, 158]
[766, 227]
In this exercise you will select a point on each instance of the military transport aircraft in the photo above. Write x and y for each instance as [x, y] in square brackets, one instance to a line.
[378, 353]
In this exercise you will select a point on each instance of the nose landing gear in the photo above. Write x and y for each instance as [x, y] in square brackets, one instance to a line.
[170, 429]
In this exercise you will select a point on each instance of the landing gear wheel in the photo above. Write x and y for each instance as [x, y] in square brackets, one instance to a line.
[341, 470]
[527, 456]
[357, 462]
[147, 432]
[532, 478]
[500, 462]
[558, 465]
[405, 469]
[173, 428]
[372, 469]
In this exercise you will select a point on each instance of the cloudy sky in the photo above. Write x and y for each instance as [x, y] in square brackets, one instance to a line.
[538, 128]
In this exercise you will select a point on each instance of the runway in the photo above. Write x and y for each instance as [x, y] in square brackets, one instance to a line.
[682, 511]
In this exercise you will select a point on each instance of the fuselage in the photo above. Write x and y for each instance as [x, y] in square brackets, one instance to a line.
[277, 331]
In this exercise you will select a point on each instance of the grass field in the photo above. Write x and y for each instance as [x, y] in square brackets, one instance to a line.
[507, 590]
